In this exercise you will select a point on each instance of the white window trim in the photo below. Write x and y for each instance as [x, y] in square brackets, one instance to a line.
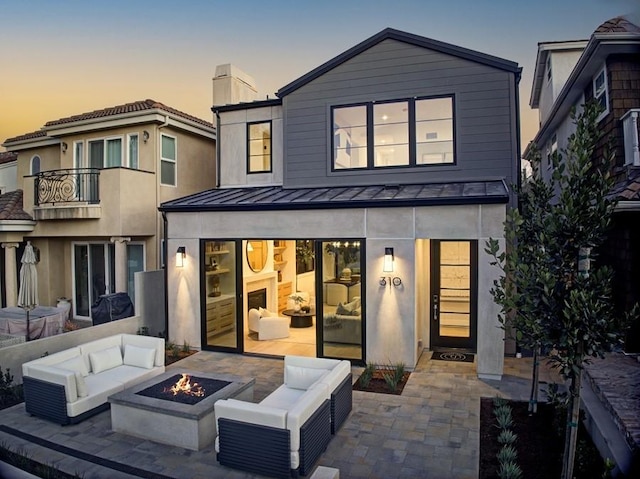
[127, 151]
[39, 164]
[605, 92]
[175, 162]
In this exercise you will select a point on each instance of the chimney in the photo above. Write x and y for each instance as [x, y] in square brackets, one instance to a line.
[231, 85]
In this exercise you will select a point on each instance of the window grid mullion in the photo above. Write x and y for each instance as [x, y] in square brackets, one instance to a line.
[412, 132]
[370, 137]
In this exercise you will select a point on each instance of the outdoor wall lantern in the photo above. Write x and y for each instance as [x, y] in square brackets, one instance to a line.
[387, 267]
[181, 254]
[63, 147]
[145, 136]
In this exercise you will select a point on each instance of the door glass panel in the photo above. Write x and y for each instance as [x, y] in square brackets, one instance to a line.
[342, 303]
[81, 276]
[135, 263]
[455, 288]
[220, 289]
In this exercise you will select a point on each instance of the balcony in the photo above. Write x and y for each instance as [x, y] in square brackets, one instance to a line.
[76, 192]
[112, 201]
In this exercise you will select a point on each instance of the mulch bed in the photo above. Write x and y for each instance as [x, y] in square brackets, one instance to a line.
[539, 446]
[378, 384]
[171, 358]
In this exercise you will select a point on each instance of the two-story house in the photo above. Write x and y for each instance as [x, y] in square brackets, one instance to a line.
[368, 187]
[605, 68]
[92, 183]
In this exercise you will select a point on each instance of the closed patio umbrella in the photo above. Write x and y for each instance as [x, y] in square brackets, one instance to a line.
[28, 293]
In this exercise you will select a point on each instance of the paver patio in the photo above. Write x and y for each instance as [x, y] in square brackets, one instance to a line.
[430, 431]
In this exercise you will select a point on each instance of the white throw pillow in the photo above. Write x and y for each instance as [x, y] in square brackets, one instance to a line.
[81, 385]
[76, 364]
[106, 359]
[140, 357]
[302, 378]
[265, 313]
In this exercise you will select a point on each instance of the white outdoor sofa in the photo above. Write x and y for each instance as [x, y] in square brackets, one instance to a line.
[72, 385]
[285, 433]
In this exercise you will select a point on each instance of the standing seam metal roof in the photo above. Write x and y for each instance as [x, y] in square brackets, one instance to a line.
[279, 198]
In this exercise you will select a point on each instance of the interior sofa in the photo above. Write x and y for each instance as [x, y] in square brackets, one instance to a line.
[284, 434]
[345, 324]
[74, 384]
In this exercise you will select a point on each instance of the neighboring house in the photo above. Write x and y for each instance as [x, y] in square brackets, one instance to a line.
[369, 186]
[605, 68]
[93, 182]
[8, 167]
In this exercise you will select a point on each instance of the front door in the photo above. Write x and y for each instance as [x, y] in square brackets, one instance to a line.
[453, 294]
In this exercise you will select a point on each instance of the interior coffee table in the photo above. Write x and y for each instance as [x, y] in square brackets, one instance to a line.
[192, 426]
[299, 319]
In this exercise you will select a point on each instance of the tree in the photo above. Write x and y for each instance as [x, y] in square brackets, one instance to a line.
[550, 293]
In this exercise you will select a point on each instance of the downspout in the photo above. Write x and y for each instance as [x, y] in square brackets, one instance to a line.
[163, 253]
[215, 111]
[166, 278]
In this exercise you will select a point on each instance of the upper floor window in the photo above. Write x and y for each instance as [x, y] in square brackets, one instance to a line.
[78, 154]
[549, 74]
[411, 132]
[259, 147]
[35, 165]
[168, 161]
[132, 151]
[601, 92]
[105, 153]
[551, 151]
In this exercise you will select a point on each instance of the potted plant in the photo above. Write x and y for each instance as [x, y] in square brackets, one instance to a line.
[297, 301]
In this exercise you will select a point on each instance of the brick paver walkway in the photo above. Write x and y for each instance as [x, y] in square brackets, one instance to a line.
[430, 431]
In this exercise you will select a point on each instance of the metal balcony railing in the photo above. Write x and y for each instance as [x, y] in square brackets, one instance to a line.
[78, 185]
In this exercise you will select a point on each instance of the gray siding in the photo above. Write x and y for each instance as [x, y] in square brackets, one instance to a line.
[485, 115]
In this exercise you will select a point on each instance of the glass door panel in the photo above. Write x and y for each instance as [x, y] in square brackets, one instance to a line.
[342, 302]
[220, 294]
[453, 290]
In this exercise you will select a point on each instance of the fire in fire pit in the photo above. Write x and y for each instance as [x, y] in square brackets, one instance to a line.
[184, 389]
[184, 386]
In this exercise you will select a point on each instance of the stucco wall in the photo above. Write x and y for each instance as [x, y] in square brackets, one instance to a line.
[395, 321]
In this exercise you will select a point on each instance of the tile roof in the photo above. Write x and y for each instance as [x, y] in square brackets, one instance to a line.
[136, 106]
[11, 206]
[618, 25]
[629, 188]
[27, 136]
[279, 198]
[7, 157]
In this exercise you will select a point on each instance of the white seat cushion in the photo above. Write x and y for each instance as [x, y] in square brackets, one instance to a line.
[129, 375]
[283, 397]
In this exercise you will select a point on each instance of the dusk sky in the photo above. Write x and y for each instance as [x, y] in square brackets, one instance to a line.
[61, 58]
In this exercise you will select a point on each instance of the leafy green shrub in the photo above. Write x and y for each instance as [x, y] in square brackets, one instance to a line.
[503, 417]
[367, 374]
[392, 375]
[185, 347]
[175, 351]
[509, 470]
[507, 436]
[508, 453]
[10, 394]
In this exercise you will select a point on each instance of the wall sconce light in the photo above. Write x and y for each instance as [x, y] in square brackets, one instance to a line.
[181, 254]
[145, 136]
[387, 267]
[63, 147]
[388, 261]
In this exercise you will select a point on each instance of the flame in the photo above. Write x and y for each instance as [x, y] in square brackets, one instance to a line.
[185, 386]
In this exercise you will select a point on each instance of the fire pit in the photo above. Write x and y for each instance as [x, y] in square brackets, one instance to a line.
[184, 388]
[184, 419]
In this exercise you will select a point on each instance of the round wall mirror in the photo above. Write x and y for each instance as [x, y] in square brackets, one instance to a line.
[257, 255]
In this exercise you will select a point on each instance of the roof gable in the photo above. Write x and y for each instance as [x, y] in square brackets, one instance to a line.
[390, 33]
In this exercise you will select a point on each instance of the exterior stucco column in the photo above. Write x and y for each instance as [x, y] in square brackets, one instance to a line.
[10, 273]
[121, 263]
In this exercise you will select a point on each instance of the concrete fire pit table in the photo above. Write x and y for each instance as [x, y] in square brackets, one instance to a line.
[192, 426]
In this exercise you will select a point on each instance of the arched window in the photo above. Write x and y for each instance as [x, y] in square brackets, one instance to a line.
[35, 165]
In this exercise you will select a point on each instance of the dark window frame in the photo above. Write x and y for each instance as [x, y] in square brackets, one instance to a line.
[412, 134]
[249, 139]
